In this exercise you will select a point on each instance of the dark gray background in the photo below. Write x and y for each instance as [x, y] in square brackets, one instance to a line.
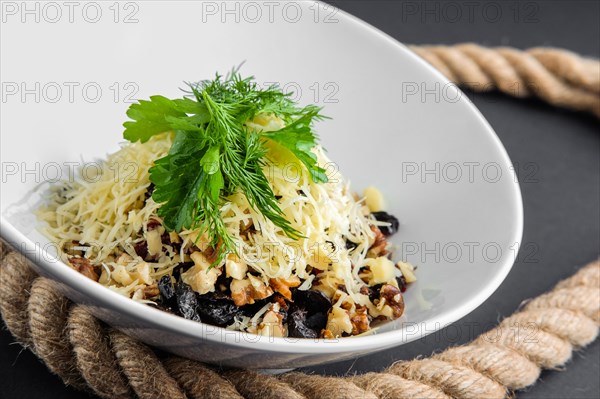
[561, 191]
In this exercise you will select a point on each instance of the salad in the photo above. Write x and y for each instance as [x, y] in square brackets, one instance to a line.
[223, 208]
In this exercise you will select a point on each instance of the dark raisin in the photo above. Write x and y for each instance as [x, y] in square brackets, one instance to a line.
[152, 224]
[351, 246]
[216, 309]
[187, 302]
[141, 249]
[374, 292]
[297, 327]
[402, 284]
[311, 301]
[387, 218]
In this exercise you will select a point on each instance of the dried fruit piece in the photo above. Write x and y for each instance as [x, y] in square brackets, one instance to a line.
[215, 309]
[387, 218]
[187, 302]
[167, 290]
[312, 301]
[297, 325]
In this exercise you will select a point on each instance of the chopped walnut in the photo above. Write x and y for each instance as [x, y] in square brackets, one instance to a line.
[151, 291]
[247, 291]
[84, 266]
[327, 334]
[147, 292]
[391, 297]
[202, 278]
[272, 323]
[360, 320]
[378, 248]
[283, 285]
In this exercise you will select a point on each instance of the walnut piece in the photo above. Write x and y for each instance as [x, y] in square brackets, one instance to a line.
[360, 320]
[283, 285]
[378, 248]
[272, 323]
[84, 266]
[249, 290]
[392, 298]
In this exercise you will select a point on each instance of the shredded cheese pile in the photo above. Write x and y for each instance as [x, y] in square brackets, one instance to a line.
[103, 217]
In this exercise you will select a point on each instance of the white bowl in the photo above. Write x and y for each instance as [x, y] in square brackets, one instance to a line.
[397, 124]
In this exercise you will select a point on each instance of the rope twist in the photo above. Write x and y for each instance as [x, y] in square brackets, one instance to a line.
[88, 355]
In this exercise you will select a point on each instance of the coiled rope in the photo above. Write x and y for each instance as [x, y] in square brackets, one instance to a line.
[91, 356]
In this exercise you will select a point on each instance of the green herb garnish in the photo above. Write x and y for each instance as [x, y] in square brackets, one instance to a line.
[215, 155]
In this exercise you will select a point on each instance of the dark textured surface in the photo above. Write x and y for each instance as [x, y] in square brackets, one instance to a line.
[558, 152]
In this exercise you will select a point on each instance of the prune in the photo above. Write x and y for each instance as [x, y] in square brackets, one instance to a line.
[187, 302]
[167, 291]
[317, 321]
[216, 309]
[311, 301]
[252, 309]
[297, 325]
[387, 218]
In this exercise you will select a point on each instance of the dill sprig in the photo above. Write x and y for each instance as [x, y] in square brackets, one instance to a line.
[215, 155]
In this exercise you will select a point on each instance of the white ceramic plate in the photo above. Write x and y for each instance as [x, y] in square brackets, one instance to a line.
[397, 124]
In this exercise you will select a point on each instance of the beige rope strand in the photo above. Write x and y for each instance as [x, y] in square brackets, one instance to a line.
[559, 77]
[200, 382]
[543, 334]
[94, 356]
[489, 367]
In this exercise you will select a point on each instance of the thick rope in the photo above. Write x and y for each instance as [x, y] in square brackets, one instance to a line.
[88, 355]
[542, 335]
[559, 77]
